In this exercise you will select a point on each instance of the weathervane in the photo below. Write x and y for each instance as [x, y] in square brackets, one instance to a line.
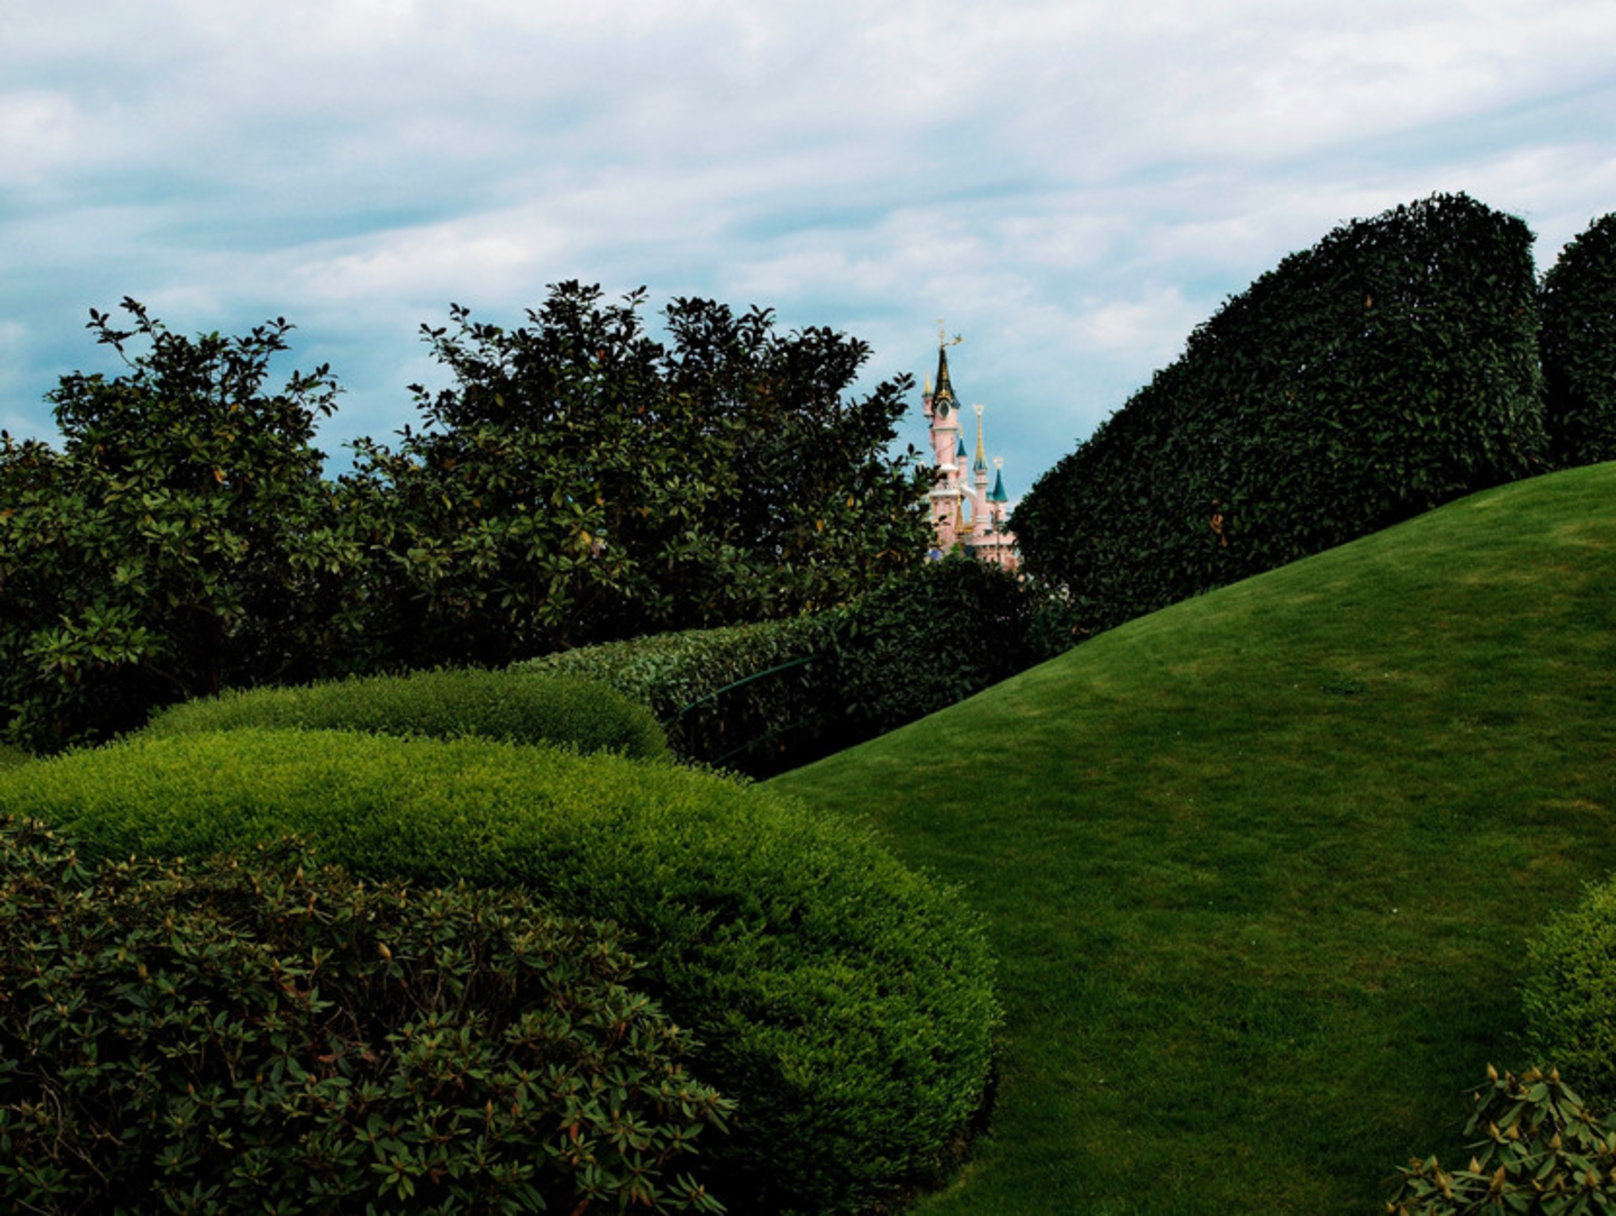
[942, 335]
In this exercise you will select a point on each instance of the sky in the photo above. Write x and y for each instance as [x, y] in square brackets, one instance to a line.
[1071, 187]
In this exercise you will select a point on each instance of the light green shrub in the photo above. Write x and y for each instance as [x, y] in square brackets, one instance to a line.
[513, 706]
[842, 1000]
[1569, 996]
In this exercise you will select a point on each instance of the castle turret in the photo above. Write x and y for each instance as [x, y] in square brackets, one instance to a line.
[963, 512]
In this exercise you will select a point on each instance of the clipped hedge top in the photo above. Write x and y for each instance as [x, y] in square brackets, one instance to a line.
[512, 706]
[670, 671]
[842, 999]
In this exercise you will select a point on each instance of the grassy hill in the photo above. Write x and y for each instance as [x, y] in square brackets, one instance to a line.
[1259, 867]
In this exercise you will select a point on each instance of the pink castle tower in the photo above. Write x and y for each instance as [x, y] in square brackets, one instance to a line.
[964, 512]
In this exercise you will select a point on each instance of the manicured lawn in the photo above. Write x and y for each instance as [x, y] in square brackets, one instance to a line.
[1259, 867]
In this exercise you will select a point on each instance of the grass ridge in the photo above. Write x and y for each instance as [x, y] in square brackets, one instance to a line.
[1259, 866]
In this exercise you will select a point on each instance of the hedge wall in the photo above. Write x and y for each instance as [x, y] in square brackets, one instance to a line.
[1390, 368]
[744, 696]
[766, 697]
[1578, 307]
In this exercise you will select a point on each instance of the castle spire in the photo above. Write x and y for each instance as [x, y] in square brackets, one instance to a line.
[980, 464]
[945, 389]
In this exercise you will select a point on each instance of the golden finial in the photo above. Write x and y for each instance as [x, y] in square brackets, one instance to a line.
[942, 335]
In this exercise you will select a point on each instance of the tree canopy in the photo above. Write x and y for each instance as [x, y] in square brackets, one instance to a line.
[578, 481]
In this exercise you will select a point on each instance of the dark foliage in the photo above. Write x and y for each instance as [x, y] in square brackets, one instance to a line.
[1388, 369]
[766, 697]
[582, 482]
[925, 640]
[746, 697]
[181, 540]
[1578, 307]
[258, 1034]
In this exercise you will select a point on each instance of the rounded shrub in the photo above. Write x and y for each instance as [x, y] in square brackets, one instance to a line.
[259, 1033]
[1569, 997]
[513, 706]
[842, 1000]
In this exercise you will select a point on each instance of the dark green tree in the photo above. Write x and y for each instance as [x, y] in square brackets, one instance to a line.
[1577, 303]
[179, 540]
[581, 481]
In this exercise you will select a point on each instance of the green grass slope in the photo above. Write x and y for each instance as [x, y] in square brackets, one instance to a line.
[1259, 867]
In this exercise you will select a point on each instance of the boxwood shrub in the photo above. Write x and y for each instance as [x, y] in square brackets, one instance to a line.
[257, 1033]
[842, 1000]
[515, 706]
[1569, 996]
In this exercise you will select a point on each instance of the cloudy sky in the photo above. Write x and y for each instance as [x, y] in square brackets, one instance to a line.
[1072, 186]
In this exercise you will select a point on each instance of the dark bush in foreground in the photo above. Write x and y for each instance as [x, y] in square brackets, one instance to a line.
[1569, 996]
[842, 1000]
[258, 1034]
[1537, 1152]
[513, 706]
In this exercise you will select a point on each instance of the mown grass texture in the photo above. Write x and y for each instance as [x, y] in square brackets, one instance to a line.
[1259, 867]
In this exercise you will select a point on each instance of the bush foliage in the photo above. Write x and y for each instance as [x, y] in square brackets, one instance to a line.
[180, 541]
[1569, 996]
[513, 706]
[927, 639]
[1578, 307]
[258, 1033]
[766, 697]
[749, 697]
[1537, 1152]
[843, 1001]
[578, 482]
[637, 487]
[1388, 369]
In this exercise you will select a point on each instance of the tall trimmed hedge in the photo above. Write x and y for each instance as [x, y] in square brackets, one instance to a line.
[1390, 368]
[513, 706]
[843, 1001]
[1578, 307]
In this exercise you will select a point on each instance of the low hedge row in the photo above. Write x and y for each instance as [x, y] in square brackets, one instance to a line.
[768, 696]
[514, 706]
[748, 696]
[843, 1001]
[259, 1033]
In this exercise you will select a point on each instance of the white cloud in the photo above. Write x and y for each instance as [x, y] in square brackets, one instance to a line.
[1073, 183]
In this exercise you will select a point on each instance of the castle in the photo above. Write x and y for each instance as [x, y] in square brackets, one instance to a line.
[964, 513]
